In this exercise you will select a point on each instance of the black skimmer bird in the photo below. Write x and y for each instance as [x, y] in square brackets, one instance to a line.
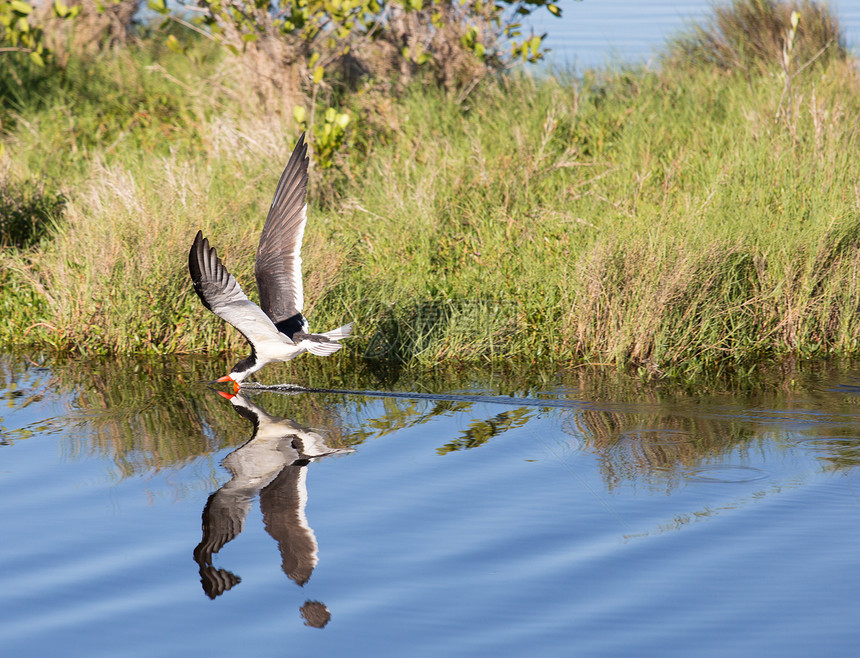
[271, 465]
[276, 330]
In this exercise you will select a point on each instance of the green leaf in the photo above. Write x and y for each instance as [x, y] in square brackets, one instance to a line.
[299, 114]
[554, 10]
[60, 9]
[36, 58]
[318, 74]
[158, 5]
[20, 7]
[173, 43]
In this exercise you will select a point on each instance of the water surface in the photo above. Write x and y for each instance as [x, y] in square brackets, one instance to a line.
[593, 32]
[578, 513]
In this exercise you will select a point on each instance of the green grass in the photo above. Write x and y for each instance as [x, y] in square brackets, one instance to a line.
[677, 221]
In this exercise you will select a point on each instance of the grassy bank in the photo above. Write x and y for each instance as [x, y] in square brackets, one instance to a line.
[676, 220]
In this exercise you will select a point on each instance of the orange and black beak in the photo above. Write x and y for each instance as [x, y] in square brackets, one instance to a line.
[228, 378]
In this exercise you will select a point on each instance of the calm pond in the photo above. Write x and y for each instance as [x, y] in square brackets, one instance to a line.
[580, 513]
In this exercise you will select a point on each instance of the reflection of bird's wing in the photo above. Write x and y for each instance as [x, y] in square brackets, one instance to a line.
[221, 294]
[278, 267]
[283, 505]
[223, 519]
[217, 581]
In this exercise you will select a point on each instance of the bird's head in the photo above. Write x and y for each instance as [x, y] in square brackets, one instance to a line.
[230, 378]
[241, 370]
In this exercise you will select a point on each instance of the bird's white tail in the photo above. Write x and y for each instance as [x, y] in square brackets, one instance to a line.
[339, 333]
[331, 346]
[322, 349]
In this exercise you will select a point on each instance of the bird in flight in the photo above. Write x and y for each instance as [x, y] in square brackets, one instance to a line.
[276, 330]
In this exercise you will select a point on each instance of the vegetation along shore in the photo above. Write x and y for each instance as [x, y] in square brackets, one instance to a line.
[702, 213]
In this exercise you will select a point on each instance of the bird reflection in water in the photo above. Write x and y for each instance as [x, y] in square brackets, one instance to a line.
[274, 464]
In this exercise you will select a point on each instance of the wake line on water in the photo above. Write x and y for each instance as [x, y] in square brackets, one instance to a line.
[290, 389]
[489, 399]
[492, 399]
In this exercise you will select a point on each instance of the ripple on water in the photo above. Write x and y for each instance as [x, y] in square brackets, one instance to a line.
[725, 473]
[828, 442]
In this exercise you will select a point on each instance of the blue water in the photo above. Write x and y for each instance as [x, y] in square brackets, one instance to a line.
[596, 32]
[635, 521]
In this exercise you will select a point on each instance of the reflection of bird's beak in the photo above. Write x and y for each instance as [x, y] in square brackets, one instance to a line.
[228, 378]
[226, 395]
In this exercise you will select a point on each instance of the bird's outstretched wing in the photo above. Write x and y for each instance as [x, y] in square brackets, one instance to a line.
[282, 503]
[279, 263]
[221, 294]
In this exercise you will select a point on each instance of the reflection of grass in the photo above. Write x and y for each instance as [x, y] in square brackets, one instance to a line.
[657, 435]
[840, 451]
[23, 385]
[653, 446]
[146, 414]
[149, 414]
[481, 431]
[152, 413]
[652, 432]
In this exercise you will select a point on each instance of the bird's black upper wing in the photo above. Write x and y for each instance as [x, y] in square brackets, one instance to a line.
[279, 263]
[221, 294]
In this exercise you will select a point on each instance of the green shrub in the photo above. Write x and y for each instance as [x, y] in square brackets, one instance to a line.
[750, 35]
[28, 211]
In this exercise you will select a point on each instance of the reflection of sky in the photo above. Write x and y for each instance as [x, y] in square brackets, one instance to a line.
[593, 32]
